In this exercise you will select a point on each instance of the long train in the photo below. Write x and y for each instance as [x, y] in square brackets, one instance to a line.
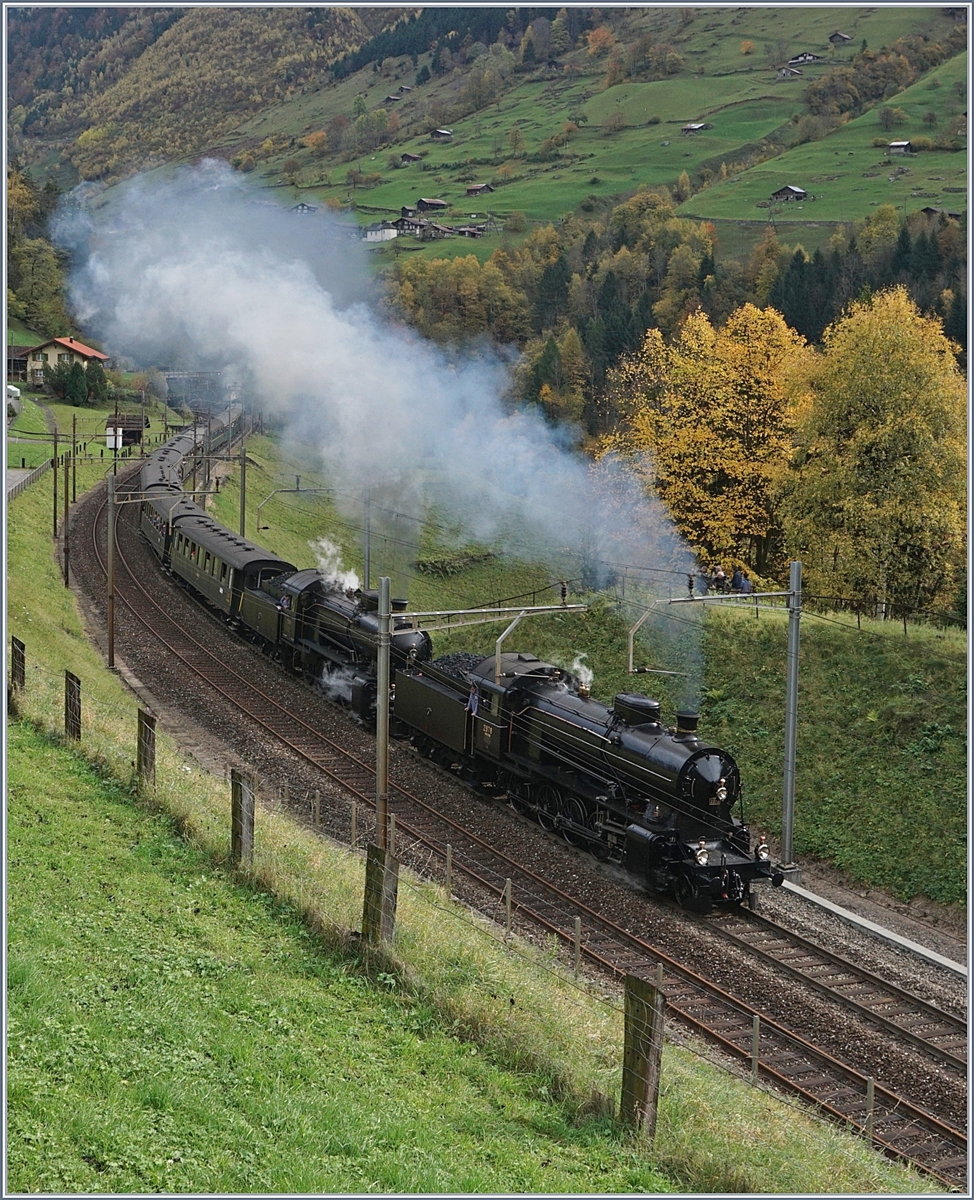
[658, 801]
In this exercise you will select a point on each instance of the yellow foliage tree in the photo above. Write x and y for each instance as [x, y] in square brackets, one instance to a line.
[708, 423]
[876, 512]
[454, 299]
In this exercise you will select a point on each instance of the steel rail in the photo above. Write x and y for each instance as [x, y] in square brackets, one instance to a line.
[887, 1005]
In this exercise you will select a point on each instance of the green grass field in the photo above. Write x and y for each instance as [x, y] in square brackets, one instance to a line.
[847, 175]
[735, 92]
[20, 334]
[170, 1031]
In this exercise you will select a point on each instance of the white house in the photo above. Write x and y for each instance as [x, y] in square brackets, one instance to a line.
[381, 231]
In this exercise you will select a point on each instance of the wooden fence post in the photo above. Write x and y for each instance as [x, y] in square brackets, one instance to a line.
[72, 706]
[381, 894]
[241, 818]
[755, 1047]
[18, 664]
[146, 749]
[642, 1056]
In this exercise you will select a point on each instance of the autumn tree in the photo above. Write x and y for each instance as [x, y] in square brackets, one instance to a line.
[708, 423]
[600, 41]
[317, 143]
[461, 298]
[876, 510]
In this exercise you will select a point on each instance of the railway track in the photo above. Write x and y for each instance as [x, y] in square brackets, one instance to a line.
[896, 1124]
[938, 1034]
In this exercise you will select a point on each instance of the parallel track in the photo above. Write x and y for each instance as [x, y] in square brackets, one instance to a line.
[899, 1127]
[937, 1033]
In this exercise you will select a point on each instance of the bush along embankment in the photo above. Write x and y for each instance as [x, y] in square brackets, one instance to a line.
[176, 1026]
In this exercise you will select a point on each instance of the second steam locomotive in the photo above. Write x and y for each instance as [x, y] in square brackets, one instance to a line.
[615, 780]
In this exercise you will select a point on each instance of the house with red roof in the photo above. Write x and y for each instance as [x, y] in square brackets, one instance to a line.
[60, 350]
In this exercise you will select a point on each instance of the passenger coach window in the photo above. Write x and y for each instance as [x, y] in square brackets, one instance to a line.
[206, 561]
[223, 572]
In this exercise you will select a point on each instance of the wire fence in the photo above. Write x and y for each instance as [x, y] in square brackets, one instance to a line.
[23, 484]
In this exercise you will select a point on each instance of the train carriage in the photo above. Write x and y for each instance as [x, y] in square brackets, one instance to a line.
[228, 571]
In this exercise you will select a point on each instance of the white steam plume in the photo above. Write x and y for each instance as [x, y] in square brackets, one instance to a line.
[328, 560]
[193, 271]
[583, 671]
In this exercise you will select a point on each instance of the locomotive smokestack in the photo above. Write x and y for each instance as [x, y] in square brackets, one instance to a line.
[686, 723]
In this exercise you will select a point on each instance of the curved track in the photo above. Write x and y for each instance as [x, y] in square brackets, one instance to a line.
[899, 1126]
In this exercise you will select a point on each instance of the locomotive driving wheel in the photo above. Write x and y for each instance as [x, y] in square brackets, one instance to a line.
[549, 802]
[574, 810]
[690, 897]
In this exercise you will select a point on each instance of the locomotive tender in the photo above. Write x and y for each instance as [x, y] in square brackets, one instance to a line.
[614, 780]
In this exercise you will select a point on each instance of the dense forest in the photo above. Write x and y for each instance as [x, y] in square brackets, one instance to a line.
[123, 89]
[577, 296]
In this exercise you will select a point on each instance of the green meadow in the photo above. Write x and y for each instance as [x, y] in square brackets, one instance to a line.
[848, 175]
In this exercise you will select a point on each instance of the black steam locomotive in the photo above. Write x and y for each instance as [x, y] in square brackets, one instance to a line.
[615, 781]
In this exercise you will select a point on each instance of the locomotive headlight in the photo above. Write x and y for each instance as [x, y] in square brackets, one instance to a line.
[722, 794]
[763, 851]
[702, 855]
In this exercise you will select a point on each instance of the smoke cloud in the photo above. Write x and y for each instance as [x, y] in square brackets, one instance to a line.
[193, 270]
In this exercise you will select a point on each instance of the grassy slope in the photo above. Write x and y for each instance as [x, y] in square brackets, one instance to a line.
[847, 174]
[170, 1031]
[881, 743]
[736, 93]
[20, 334]
[216, 1064]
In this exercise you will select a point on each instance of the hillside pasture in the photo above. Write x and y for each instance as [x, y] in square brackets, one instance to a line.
[848, 175]
[735, 92]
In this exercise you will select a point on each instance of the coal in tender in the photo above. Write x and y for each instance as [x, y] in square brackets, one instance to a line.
[459, 664]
